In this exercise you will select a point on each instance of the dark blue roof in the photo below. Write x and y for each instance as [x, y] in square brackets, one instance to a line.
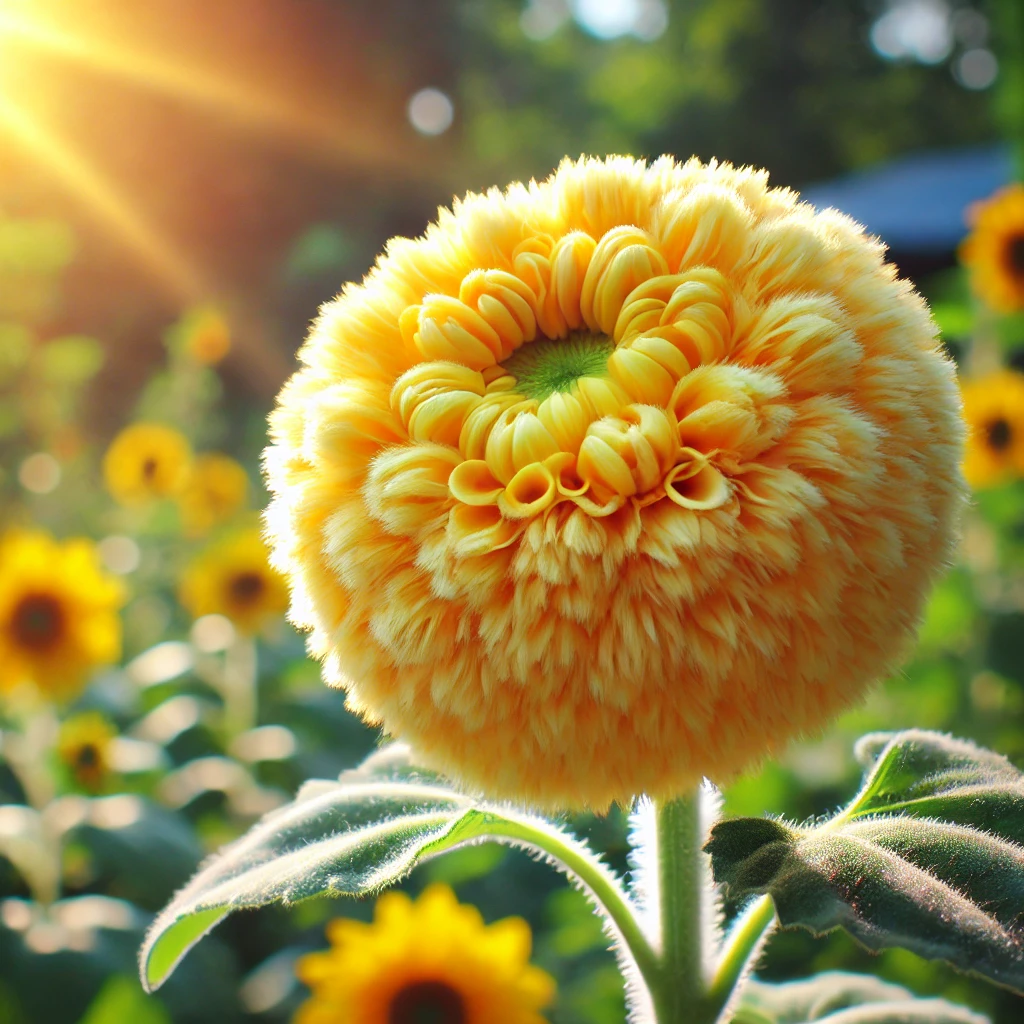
[918, 203]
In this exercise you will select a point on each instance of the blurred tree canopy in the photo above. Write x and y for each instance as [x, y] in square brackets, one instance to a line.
[791, 85]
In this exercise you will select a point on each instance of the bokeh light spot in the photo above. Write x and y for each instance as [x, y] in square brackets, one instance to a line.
[212, 633]
[921, 30]
[39, 473]
[976, 69]
[431, 112]
[609, 19]
[121, 555]
[541, 19]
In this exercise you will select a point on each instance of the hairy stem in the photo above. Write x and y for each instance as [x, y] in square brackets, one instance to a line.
[679, 990]
[239, 686]
[742, 945]
[581, 863]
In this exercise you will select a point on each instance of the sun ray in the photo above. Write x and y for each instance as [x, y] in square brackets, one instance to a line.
[344, 142]
[89, 185]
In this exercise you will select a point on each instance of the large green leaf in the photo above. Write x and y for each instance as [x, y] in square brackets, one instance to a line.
[929, 856]
[352, 836]
[836, 997]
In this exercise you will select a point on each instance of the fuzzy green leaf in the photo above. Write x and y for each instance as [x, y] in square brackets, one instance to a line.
[836, 997]
[353, 836]
[929, 856]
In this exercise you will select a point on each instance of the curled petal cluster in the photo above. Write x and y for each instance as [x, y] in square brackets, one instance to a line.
[617, 480]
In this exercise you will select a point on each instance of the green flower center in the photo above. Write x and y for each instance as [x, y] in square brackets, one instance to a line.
[543, 367]
[427, 1002]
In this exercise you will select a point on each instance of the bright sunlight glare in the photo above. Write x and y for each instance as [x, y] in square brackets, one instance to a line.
[103, 199]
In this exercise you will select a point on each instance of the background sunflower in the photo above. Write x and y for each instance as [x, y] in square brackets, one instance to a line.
[432, 959]
[58, 613]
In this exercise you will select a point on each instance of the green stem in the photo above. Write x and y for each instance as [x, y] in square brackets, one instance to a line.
[742, 943]
[679, 990]
[239, 686]
[593, 874]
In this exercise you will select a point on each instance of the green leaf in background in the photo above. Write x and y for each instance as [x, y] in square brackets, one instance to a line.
[323, 248]
[121, 1001]
[350, 837]
[15, 346]
[836, 997]
[928, 856]
[71, 360]
[955, 319]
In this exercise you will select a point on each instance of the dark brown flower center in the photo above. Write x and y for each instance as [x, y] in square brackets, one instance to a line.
[87, 756]
[1015, 254]
[246, 587]
[149, 468]
[998, 434]
[37, 622]
[427, 1002]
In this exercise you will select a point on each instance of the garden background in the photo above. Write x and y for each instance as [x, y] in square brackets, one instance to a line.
[181, 185]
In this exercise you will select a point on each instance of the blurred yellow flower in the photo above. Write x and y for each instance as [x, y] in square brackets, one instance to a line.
[204, 335]
[994, 410]
[235, 579]
[84, 749]
[433, 960]
[617, 480]
[58, 613]
[994, 251]
[146, 461]
[215, 489]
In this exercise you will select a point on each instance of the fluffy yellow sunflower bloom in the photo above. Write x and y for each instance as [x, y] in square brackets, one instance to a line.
[430, 960]
[994, 250]
[234, 578]
[215, 489]
[146, 461]
[83, 747]
[615, 481]
[994, 410]
[58, 613]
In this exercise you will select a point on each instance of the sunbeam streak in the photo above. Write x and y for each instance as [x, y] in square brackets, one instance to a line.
[170, 267]
[339, 139]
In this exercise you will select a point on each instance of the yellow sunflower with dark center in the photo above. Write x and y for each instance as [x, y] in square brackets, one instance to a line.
[994, 250]
[234, 578]
[215, 489]
[146, 462]
[616, 480]
[432, 961]
[58, 613]
[84, 746]
[994, 410]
